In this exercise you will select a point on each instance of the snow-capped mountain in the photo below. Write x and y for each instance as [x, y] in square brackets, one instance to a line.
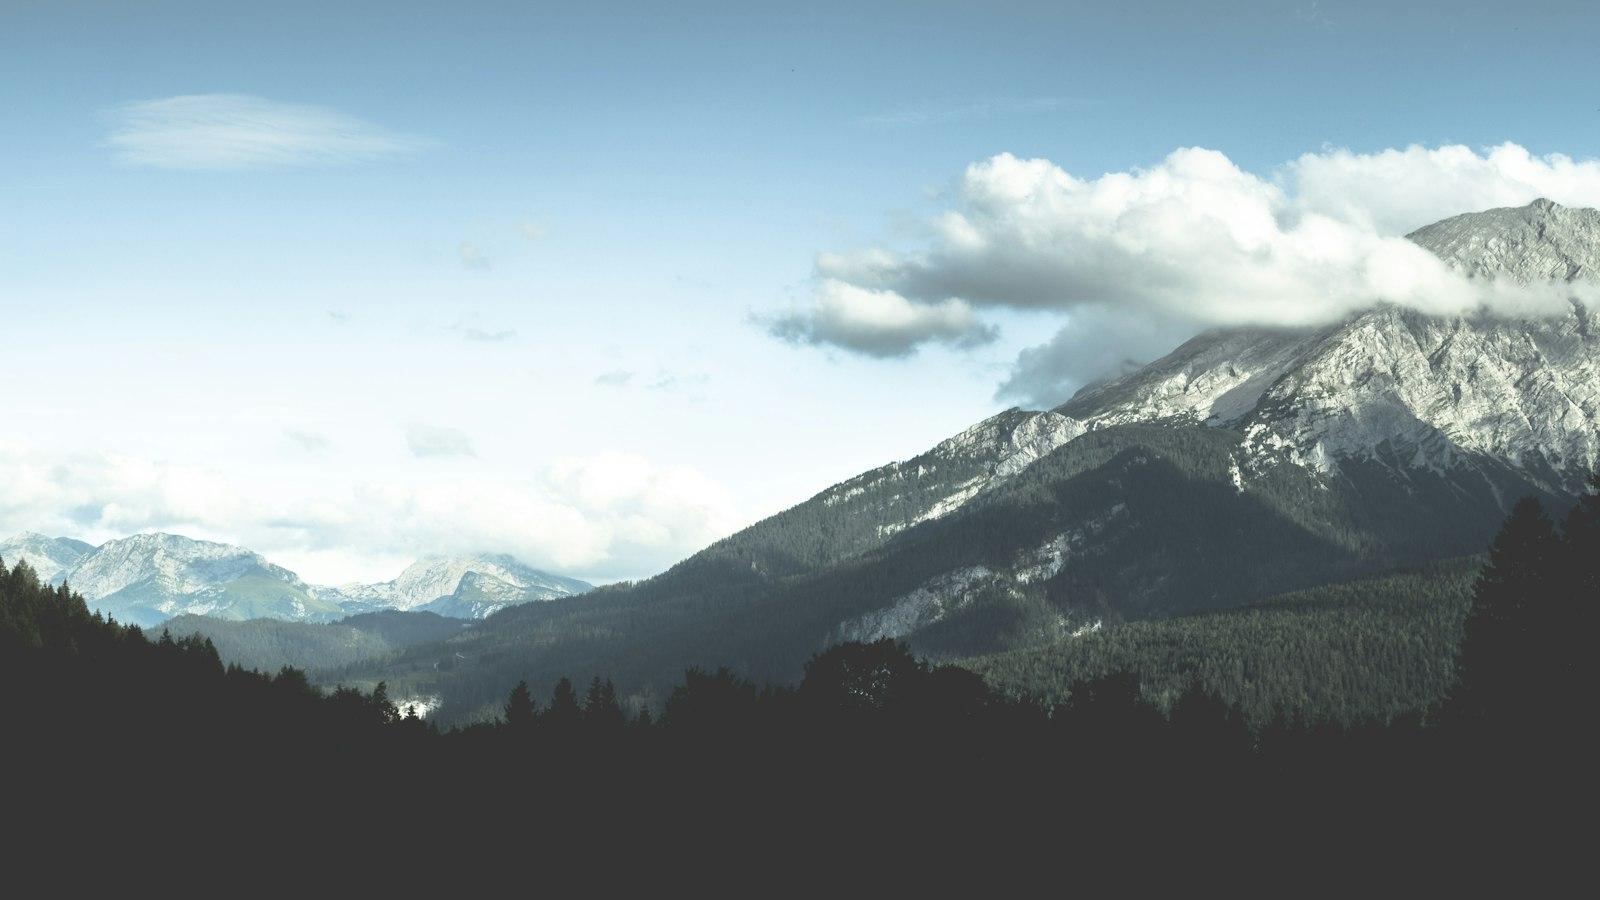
[50, 557]
[1424, 391]
[463, 587]
[148, 578]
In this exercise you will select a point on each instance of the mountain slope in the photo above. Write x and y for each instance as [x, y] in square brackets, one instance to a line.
[1123, 523]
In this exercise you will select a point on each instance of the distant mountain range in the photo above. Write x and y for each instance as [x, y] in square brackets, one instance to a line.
[147, 579]
[1247, 463]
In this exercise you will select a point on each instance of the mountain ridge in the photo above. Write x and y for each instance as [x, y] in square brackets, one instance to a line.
[147, 578]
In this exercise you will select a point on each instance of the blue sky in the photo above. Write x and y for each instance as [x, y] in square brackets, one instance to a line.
[514, 281]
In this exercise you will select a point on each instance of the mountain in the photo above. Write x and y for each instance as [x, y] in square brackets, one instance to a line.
[50, 557]
[148, 578]
[462, 587]
[1246, 464]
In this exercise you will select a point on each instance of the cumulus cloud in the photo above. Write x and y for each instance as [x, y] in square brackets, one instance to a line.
[431, 441]
[1192, 242]
[879, 321]
[223, 132]
[1397, 191]
[614, 378]
[608, 516]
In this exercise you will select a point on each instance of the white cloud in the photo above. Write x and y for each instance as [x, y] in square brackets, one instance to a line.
[431, 441]
[224, 132]
[1398, 191]
[1096, 343]
[1192, 242]
[879, 322]
[609, 516]
[533, 231]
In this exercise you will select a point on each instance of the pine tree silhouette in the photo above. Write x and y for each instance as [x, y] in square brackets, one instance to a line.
[1503, 655]
[520, 711]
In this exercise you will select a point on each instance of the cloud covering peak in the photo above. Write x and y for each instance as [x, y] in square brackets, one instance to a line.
[1162, 252]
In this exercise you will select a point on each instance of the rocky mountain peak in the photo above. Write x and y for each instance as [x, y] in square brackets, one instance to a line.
[1399, 384]
[1538, 242]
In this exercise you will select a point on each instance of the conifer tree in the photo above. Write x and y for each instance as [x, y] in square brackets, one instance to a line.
[564, 712]
[521, 712]
[600, 708]
[1502, 655]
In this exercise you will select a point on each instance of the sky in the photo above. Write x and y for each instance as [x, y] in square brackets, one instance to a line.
[596, 284]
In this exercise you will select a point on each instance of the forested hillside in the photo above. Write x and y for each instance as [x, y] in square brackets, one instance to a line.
[270, 644]
[85, 690]
[1364, 650]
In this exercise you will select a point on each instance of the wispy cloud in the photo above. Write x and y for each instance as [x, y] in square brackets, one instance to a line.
[943, 112]
[664, 380]
[434, 442]
[472, 257]
[533, 231]
[229, 132]
[309, 441]
[1313, 15]
[469, 333]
